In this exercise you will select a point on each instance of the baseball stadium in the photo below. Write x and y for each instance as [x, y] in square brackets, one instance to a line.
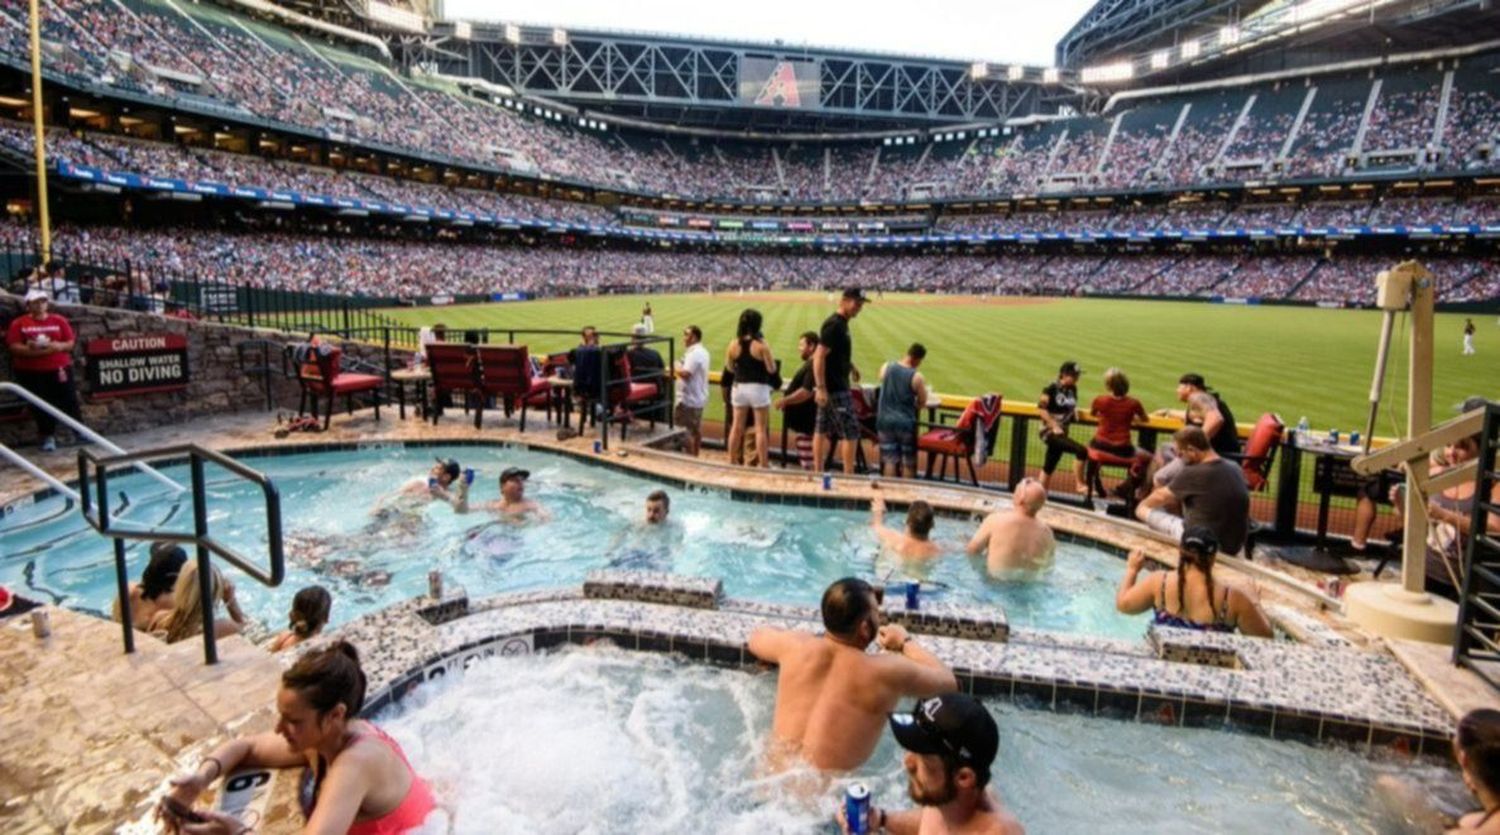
[420, 420]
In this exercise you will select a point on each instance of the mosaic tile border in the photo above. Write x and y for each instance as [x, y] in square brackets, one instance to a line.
[653, 587]
[1280, 689]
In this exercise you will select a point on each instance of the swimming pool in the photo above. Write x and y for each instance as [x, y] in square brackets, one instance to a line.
[562, 741]
[770, 552]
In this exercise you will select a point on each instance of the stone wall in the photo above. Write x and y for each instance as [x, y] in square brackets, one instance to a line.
[216, 383]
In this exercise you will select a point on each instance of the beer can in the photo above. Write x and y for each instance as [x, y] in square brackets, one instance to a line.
[435, 584]
[913, 590]
[1333, 436]
[598, 447]
[857, 809]
[1354, 438]
[41, 622]
[827, 481]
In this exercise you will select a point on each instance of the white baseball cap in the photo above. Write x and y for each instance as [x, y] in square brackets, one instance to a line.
[37, 293]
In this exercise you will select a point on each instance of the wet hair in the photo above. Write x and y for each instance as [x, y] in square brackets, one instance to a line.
[1202, 562]
[1478, 737]
[1192, 437]
[749, 326]
[917, 351]
[1116, 381]
[328, 677]
[660, 496]
[846, 604]
[919, 518]
[161, 572]
[310, 611]
[812, 338]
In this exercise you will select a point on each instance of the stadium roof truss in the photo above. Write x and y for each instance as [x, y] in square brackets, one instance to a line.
[646, 75]
[1111, 27]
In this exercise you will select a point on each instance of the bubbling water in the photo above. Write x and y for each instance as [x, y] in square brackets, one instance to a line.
[596, 739]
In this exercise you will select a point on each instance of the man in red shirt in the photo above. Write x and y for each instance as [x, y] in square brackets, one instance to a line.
[41, 354]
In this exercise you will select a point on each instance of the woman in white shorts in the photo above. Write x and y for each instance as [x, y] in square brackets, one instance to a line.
[750, 358]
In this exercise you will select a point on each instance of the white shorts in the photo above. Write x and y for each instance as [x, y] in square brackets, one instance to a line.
[750, 395]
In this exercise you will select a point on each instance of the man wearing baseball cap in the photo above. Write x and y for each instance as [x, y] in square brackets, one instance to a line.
[513, 502]
[951, 742]
[833, 365]
[41, 354]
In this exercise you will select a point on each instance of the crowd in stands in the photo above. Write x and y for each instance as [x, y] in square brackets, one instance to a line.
[273, 74]
[340, 261]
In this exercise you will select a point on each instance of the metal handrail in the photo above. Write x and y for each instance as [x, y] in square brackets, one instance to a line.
[205, 544]
[84, 432]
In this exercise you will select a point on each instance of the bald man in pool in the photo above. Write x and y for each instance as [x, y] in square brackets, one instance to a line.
[833, 698]
[1015, 540]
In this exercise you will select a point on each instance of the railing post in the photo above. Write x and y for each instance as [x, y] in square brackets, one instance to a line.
[123, 588]
[346, 319]
[1288, 485]
[1017, 451]
[672, 388]
[205, 569]
[603, 403]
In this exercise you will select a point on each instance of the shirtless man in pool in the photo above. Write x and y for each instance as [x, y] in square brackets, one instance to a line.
[914, 542]
[1015, 540]
[833, 698]
[513, 503]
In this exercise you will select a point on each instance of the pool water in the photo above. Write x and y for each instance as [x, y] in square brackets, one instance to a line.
[777, 553]
[595, 739]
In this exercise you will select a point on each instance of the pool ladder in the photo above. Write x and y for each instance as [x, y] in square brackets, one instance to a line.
[93, 470]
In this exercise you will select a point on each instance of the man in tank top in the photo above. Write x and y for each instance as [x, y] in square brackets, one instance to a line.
[902, 392]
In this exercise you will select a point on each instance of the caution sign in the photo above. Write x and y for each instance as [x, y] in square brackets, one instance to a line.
[136, 365]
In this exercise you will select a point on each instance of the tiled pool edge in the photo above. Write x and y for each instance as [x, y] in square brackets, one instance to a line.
[1283, 691]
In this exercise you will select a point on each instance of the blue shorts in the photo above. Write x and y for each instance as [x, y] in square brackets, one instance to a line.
[898, 445]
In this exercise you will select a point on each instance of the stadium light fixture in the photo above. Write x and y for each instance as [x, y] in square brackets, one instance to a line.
[1119, 71]
[512, 33]
[1160, 59]
[1015, 73]
[396, 18]
[463, 30]
[1050, 75]
[979, 70]
[1229, 35]
[559, 37]
[1190, 49]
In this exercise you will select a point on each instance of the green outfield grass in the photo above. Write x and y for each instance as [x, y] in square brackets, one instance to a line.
[1292, 360]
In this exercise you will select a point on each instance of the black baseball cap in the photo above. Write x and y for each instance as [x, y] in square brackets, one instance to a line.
[1195, 380]
[1069, 367]
[953, 724]
[514, 472]
[450, 466]
[1200, 540]
[855, 293]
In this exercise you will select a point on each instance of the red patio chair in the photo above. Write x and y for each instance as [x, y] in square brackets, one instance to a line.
[504, 374]
[973, 437]
[455, 368]
[321, 375]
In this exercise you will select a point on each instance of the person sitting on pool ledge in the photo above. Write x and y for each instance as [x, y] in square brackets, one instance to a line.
[1015, 539]
[153, 594]
[1192, 602]
[513, 501]
[951, 742]
[355, 778]
[832, 697]
[914, 541]
[185, 619]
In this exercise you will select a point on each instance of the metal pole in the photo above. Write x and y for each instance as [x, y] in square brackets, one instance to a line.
[123, 585]
[40, 131]
[205, 569]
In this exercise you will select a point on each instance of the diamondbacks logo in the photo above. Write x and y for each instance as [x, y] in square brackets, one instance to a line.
[780, 89]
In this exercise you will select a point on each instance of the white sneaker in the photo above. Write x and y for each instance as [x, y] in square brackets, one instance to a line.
[49, 444]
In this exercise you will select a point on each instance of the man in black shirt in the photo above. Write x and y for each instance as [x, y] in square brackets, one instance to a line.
[832, 366]
[1059, 408]
[799, 411]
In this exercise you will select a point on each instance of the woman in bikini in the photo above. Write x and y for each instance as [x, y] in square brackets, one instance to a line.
[1193, 600]
[355, 778]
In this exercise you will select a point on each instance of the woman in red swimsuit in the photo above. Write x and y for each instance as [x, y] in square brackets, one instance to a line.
[355, 779]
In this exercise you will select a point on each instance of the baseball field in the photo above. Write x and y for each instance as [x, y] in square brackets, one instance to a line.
[1291, 360]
